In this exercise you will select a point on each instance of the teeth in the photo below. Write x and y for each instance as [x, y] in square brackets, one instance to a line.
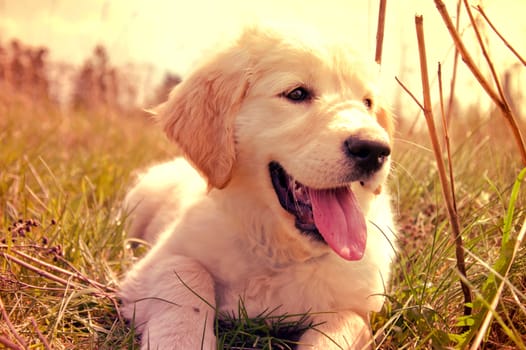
[293, 197]
[300, 193]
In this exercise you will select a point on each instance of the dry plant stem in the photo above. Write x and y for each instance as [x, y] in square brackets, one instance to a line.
[103, 289]
[41, 272]
[453, 81]
[412, 128]
[494, 303]
[446, 140]
[502, 104]
[5, 316]
[519, 57]
[40, 335]
[9, 344]
[77, 274]
[409, 93]
[428, 113]
[484, 51]
[464, 53]
[380, 32]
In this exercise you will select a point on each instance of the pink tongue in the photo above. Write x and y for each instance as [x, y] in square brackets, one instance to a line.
[340, 221]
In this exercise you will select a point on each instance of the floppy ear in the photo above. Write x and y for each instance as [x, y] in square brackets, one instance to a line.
[386, 119]
[199, 114]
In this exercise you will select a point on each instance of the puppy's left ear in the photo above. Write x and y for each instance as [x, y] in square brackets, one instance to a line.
[386, 119]
[199, 114]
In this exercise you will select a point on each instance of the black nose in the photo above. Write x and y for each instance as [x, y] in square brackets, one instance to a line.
[367, 155]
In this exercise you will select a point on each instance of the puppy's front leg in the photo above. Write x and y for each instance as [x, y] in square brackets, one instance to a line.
[165, 298]
[344, 330]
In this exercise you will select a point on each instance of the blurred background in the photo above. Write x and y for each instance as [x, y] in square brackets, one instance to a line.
[128, 53]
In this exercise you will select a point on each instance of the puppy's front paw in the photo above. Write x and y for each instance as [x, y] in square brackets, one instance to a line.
[343, 330]
[166, 332]
[169, 301]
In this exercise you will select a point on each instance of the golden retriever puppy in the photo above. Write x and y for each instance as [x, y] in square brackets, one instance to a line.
[280, 200]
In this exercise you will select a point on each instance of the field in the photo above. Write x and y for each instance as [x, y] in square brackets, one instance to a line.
[63, 247]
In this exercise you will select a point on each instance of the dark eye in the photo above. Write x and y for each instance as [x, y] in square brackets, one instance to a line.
[299, 94]
[368, 102]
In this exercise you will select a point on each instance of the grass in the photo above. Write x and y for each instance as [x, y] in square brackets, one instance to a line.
[62, 179]
[63, 176]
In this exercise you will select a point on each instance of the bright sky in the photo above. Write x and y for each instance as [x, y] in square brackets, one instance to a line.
[171, 35]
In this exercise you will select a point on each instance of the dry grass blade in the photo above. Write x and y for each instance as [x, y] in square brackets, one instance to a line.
[101, 289]
[75, 274]
[483, 14]
[12, 329]
[484, 51]
[466, 57]
[380, 32]
[428, 113]
[453, 81]
[489, 316]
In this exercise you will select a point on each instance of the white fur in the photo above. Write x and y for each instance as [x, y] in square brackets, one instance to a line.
[234, 240]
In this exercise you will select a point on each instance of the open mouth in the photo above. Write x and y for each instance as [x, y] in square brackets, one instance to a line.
[330, 215]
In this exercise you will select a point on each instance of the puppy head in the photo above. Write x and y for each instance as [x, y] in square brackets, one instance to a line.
[309, 130]
[199, 114]
[250, 79]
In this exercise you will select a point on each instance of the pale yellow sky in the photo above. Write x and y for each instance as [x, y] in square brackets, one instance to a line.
[171, 35]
